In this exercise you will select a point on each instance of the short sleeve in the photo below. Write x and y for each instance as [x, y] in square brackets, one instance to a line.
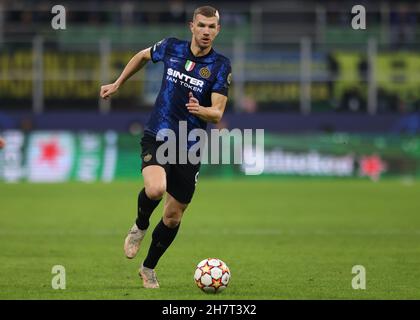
[158, 50]
[223, 79]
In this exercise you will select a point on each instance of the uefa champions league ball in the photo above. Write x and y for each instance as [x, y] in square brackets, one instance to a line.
[212, 275]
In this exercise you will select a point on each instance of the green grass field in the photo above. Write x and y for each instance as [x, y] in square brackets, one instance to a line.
[282, 239]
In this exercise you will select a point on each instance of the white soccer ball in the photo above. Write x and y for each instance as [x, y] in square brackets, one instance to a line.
[212, 275]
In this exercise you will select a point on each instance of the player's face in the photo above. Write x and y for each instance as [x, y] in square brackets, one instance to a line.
[204, 30]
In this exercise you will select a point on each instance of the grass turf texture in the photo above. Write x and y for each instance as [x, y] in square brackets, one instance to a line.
[282, 239]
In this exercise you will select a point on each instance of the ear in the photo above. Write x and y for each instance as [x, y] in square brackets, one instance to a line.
[191, 26]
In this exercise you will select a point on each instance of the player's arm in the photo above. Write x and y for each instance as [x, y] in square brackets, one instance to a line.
[2, 143]
[135, 64]
[210, 114]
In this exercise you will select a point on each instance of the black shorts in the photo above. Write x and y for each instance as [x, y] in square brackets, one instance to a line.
[180, 178]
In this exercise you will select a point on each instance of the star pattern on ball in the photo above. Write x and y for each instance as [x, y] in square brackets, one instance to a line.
[217, 283]
[199, 284]
[224, 268]
[212, 275]
[206, 269]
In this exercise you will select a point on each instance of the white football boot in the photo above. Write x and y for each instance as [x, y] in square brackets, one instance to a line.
[149, 277]
[133, 241]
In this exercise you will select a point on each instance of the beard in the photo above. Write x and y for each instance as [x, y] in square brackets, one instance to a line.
[203, 44]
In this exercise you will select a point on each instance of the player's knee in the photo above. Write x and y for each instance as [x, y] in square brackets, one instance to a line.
[172, 221]
[156, 192]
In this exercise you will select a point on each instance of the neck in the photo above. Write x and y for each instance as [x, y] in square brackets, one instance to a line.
[197, 51]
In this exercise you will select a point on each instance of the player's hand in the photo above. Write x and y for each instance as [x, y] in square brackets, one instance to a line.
[2, 143]
[108, 90]
[193, 105]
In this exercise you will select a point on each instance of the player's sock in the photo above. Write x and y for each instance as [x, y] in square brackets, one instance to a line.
[145, 207]
[162, 238]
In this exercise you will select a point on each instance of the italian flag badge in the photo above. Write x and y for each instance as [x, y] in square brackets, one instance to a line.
[189, 65]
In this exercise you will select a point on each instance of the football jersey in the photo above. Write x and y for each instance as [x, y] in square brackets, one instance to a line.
[185, 73]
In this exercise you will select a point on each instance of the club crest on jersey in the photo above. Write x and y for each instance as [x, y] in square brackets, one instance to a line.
[205, 73]
[189, 65]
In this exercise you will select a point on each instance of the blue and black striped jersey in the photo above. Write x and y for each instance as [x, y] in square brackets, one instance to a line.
[184, 73]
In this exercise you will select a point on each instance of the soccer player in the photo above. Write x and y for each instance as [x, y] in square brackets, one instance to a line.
[194, 89]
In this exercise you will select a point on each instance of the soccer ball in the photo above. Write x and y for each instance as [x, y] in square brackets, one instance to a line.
[212, 275]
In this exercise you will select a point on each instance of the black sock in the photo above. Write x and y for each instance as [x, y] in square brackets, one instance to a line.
[162, 238]
[145, 207]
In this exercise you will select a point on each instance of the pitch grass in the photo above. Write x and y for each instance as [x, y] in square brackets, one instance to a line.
[282, 239]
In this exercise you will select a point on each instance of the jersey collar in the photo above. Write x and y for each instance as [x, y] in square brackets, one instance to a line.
[208, 58]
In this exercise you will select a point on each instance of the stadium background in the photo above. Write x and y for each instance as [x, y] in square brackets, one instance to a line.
[340, 109]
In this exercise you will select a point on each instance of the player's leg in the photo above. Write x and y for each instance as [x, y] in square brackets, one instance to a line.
[180, 190]
[150, 196]
[147, 201]
[162, 237]
[154, 176]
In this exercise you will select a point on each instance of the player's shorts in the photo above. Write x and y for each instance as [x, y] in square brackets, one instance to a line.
[180, 178]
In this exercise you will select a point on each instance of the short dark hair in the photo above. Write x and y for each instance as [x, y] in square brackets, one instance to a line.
[207, 11]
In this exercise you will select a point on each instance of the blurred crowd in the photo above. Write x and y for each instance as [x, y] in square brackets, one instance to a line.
[397, 23]
[125, 12]
[400, 18]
